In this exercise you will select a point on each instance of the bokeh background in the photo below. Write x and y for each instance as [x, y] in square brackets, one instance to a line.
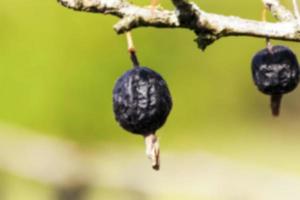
[59, 139]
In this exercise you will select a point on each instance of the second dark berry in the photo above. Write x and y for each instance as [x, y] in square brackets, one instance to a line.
[275, 72]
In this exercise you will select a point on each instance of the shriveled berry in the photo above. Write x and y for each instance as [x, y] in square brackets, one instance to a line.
[275, 72]
[141, 101]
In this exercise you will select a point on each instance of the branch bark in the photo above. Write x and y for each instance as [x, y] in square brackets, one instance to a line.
[208, 27]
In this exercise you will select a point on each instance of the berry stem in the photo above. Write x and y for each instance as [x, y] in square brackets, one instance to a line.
[275, 104]
[269, 45]
[264, 19]
[132, 50]
[152, 150]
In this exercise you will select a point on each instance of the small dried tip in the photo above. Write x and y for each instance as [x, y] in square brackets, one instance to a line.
[152, 150]
[275, 104]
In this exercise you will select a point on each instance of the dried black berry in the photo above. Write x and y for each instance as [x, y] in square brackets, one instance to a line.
[275, 72]
[141, 101]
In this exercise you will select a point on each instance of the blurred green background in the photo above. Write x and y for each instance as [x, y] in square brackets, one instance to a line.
[58, 69]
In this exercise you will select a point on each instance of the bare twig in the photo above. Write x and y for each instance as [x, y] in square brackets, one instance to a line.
[296, 9]
[208, 26]
[278, 10]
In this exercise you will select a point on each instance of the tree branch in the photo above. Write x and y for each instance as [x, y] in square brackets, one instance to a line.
[207, 26]
[279, 11]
